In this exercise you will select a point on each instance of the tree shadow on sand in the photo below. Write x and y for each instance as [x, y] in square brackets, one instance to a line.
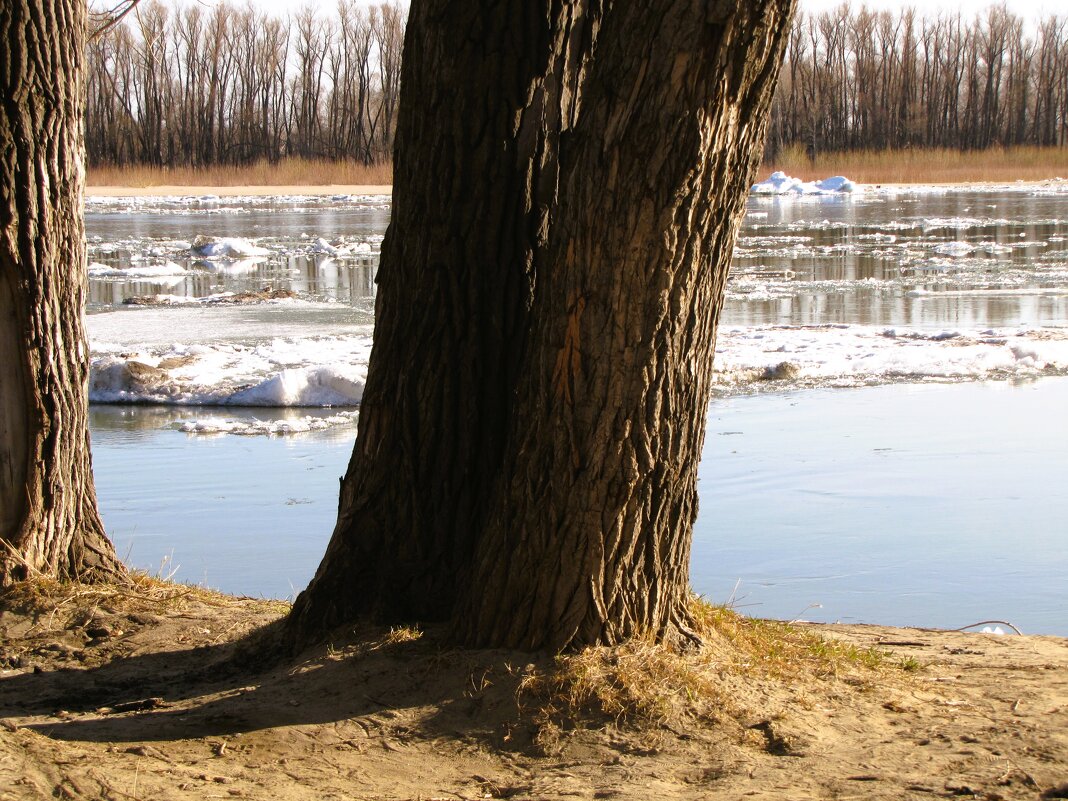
[245, 686]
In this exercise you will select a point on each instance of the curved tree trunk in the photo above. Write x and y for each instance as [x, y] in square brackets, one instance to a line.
[49, 522]
[569, 181]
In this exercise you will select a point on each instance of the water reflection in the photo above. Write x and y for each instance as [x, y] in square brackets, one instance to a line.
[930, 260]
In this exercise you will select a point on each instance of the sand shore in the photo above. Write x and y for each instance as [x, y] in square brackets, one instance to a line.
[106, 698]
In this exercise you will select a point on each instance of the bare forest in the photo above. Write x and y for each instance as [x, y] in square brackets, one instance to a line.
[182, 84]
[859, 79]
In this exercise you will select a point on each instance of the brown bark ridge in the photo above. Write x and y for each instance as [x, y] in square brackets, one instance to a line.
[49, 523]
[569, 179]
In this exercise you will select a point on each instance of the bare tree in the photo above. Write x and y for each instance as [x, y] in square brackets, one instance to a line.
[569, 181]
[49, 523]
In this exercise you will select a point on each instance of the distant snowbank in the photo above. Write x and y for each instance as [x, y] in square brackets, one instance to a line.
[782, 184]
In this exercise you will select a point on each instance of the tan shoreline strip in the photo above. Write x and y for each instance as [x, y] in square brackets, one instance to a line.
[233, 191]
[170, 190]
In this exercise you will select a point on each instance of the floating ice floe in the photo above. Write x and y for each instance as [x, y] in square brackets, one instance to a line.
[357, 249]
[166, 270]
[299, 425]
[779, 183]
[954, 249]
[322, 246]
[226, 248]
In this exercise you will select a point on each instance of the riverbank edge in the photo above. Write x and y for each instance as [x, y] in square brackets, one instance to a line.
[173, 190]
[146, 695]
[328, 190]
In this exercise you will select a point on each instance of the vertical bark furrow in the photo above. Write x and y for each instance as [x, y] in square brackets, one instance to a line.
[665, 123]
[568, 179]
[50, 523]
[468, 215]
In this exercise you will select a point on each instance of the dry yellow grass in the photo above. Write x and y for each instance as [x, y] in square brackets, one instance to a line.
[997, 165]
[288, 172]
[55, 603]
[646, 683]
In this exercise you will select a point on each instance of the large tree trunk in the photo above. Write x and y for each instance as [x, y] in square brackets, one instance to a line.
[49, 522]
[569, 181]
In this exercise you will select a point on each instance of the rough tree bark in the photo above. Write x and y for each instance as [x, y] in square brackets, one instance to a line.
[49, 523]
[569, 178]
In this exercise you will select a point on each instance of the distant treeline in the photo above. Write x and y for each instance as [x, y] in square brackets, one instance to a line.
[189, 85]
[860, 79]
[185, 85]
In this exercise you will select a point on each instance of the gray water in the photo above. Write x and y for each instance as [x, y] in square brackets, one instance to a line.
[905, 504]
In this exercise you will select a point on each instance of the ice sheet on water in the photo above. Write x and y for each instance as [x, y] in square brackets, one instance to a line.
[213, 424]
[220, 354]
[853, 355]
[226, 376]
[330, 371]
[167, 269]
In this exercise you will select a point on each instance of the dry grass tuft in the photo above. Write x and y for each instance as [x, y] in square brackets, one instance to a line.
[650, 684]
[55, 604]
[399, 634]
[288, 172]
[926, 165]
[776, 650]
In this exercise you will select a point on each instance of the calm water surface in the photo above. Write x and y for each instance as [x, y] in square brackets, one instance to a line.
[919, 505]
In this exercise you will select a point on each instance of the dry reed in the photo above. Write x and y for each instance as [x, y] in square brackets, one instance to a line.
[919, 165]
[922, 165]
[288, 172]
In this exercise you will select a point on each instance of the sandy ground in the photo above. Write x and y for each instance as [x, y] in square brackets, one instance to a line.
[234, 191]
[167, 704]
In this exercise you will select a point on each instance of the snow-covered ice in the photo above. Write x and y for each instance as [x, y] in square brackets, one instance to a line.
[227, 247]
[779, 183]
